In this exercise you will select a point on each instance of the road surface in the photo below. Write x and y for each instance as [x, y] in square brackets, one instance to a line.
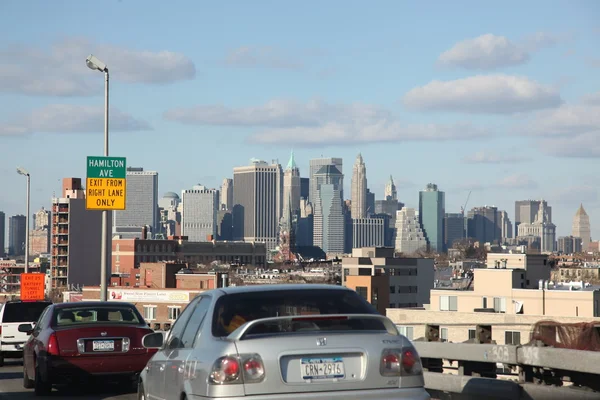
[11, 387]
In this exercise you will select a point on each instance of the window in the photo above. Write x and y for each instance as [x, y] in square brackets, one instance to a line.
[500, 304]
[448, 303]
[193, 326]
[23, 312]
[512, 337]
[274, 303]
[406, 331]
[407, 289]
[484, 302]
[149, 313]
[472, 333]
[392, 305]
[99, 314]
[174, 340]
[174, 313]
[374, 296]
[392, 289]
[362, 291]
[443, 334]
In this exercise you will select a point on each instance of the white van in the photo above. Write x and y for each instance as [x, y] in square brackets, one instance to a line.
[12, 314]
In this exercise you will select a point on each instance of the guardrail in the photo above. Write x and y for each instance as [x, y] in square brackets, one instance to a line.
[543, 372]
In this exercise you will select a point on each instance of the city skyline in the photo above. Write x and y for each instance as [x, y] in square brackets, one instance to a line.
[525, 127]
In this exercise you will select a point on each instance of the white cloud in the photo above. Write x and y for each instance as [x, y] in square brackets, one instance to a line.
[318, 123]
[61, 71]
[489, 51]
[517, 181]
[486, 157]
[492, 94]
[65, 118]
[261, 56]
[484, 52]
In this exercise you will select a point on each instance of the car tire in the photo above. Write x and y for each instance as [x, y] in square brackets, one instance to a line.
[41, 388]
[27, 382]
[141, 394]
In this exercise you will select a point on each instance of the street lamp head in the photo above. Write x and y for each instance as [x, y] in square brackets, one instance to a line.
[22, 171]
[93, 63]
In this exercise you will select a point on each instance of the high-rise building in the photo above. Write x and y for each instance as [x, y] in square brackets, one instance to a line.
[368, 232]
[200, 206]
[291, 188]
[227, 194]
[314, 166]
[17, 225]
[76, 237]
[483, 225]
[410, 238]
[390, 190]
[359, 189]
[527, 210]
[455, 228]
[141, 205]
[2, 234]
[505, 226]
[329, 221]
[304, 188]
[541, 227]
[432, 210]
[569, 245]
[257, 203]
[581, 228]
[370, 202]
[41, 219]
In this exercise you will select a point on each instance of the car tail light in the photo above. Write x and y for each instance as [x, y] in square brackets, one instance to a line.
[254, 369]
[53, 345]
[396, 362]
[225, 370]
[246, 368]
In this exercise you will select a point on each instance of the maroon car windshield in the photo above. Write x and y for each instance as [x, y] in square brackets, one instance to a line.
[96, 315]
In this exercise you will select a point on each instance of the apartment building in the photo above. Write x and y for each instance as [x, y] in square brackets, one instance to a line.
[387, 281]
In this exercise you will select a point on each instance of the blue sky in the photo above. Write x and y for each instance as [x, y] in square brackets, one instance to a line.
[500, 99]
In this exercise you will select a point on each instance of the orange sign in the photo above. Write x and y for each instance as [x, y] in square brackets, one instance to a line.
[32, 286]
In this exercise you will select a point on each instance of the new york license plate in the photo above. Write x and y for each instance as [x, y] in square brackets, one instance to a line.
[323, 368]
[103, 345]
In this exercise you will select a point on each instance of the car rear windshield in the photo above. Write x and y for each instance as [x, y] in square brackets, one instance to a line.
[23, 312]
[233, 310]
[96, 315]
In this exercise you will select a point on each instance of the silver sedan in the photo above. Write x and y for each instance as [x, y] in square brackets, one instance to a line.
[282, 342]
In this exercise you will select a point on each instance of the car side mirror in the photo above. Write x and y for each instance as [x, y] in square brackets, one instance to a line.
[26, 328]
[153, 340]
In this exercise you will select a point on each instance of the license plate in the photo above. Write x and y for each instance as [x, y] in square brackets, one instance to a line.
[323, 368]
[103, 345]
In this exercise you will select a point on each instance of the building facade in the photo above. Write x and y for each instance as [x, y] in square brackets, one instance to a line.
[409, 235]
[581, 228]
[314, 166]
[432, 210]
[199, 209]
[17, 225]
[141, 205]
[329, 221]
[359, 189]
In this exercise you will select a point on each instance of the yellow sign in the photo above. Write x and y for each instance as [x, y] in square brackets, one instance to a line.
[105, 194]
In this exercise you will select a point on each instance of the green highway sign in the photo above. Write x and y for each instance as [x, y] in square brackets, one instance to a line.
[106, 167]
[106, 183]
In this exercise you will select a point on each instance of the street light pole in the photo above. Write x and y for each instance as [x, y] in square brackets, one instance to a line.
[95, 64]
[22, 171]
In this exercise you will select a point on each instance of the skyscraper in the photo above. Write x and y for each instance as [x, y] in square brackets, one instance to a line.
[409, 235]
[454, 228]
[581, 227]
[483, 224]
[141, 205]
[2, 233]
[527, 210]
[328, 211]
[359, 189]
[432, 210]
[199, 213]
[314, 166]
[16, 235]
[227, 194]
[291, 188]
[257, 202]
[390, 190]
[541, 227]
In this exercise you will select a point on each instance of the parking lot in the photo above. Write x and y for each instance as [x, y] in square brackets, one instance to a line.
[11, 387]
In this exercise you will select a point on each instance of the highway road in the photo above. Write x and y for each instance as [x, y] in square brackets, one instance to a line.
[11, 387]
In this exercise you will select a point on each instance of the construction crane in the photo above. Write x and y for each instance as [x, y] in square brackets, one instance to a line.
[463, 208]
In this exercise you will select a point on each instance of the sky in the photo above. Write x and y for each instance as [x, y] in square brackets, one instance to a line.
[498, 99]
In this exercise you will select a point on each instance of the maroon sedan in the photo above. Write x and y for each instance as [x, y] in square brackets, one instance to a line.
[73, 342]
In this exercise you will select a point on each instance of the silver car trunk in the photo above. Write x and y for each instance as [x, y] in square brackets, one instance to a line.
[309, 361]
